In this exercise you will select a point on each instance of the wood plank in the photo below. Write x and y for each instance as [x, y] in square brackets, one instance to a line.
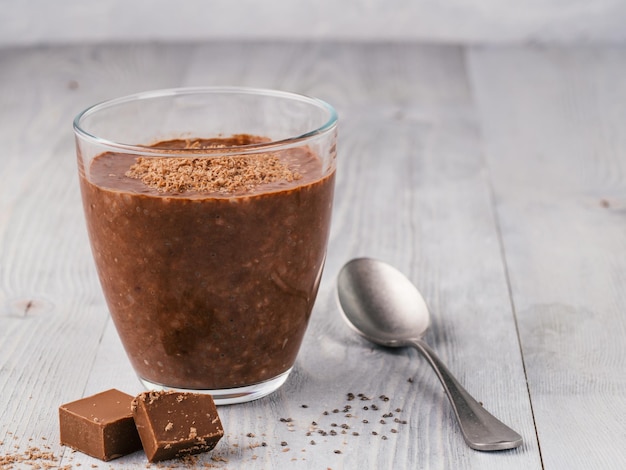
[412, 189]
[447, 21]
[52, 313]
[555, 145]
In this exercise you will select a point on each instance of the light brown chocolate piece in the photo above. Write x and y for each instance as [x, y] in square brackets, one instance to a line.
[100, 425]
[175, 424]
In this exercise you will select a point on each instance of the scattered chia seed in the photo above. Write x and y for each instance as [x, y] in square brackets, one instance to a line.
[346, 410]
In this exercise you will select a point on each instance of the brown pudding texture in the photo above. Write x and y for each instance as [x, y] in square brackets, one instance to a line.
[209, 290]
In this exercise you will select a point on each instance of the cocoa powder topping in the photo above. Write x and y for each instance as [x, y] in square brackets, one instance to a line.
[225, 174]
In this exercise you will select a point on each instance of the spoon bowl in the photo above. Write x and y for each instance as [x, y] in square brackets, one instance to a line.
[382, 305]
[365, 287]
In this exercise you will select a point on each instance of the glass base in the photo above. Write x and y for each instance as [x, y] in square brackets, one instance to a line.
[230, 396]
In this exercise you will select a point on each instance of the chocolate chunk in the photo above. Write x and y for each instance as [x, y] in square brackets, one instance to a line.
[174, 424]
[101, 425]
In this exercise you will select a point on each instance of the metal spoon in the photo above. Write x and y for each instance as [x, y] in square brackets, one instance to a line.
[383, 306]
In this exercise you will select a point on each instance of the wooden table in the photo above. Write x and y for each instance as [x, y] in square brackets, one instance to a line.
[494, 177]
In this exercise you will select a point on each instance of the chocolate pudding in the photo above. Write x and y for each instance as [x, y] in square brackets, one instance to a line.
[210, 280]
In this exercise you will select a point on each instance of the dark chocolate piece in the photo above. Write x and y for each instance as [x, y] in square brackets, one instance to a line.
[101, 425]
[174, 424]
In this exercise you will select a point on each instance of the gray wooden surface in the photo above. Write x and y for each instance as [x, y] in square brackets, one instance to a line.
[31, 22]
[494, 177]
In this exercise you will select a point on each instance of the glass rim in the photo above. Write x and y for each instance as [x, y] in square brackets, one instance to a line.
[328, 126]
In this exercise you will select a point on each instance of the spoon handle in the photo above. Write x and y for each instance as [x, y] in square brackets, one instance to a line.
[481, 430]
